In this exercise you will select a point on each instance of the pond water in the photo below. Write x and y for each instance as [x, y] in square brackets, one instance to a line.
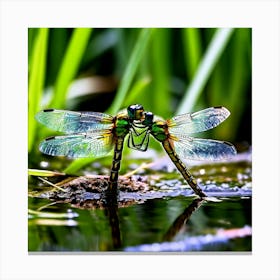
[162, 216]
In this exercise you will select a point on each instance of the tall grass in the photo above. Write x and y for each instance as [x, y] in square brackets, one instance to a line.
[169, 71]
[130, 70]
[69, 66]
[192, 49]
[36, 75]
[204, 69]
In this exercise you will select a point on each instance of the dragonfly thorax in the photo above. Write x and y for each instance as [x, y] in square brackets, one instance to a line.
[121, 128]
[159, 130]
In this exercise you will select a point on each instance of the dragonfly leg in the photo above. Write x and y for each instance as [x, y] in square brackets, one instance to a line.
[182, 168]
[112, 190]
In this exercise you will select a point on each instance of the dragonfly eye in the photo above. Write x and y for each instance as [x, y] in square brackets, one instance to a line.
[149, 117]
[135, 112]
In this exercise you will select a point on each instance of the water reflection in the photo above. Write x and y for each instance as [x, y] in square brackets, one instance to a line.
[111, 210]
[138, 215]
[158, 225]
[182, 219]
[209, 242]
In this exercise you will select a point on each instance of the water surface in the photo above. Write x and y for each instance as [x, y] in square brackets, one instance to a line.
[165, 216]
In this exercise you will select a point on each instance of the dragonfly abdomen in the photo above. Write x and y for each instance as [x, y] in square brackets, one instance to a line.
[167, 145]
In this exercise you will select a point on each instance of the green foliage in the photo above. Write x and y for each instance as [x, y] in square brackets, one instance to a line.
[130, 70]
[37, 69]
[204, 70]
[167, 70]
[192, 49]
[69, 66]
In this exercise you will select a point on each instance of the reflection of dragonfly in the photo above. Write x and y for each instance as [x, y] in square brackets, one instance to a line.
[91, 134]
[173, 134]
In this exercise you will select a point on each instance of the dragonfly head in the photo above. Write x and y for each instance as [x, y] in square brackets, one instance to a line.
[149, 118]
[135, 112]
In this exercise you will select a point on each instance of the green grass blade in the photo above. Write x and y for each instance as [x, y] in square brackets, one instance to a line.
[70, 65]
[192, 49]
[159, 98]
[32, 35]
[45, 173]
[130, 70]
[136, 90]
[37, 71]
[205, 68]
[240, 74]
[58, 42]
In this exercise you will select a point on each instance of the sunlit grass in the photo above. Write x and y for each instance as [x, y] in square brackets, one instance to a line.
[37, 71]
[205, 68]
[45, 173]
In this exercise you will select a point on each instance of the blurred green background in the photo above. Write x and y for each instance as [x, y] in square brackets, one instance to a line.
[167, 70]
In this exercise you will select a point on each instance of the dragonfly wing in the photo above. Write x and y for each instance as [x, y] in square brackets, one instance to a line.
[199, 121]
[77, 146]
[204, 149]
[74, 122]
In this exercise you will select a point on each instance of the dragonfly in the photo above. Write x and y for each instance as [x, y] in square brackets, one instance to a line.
[93, 134]
[174, 135]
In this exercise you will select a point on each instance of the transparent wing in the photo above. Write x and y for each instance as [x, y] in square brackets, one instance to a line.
[203, 149]
[74, 122]
[199, 121]
[77, 146]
